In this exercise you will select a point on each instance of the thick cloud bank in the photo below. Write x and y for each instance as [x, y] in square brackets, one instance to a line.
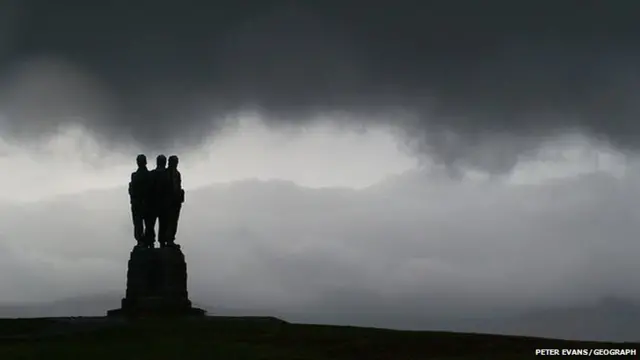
[458, 77]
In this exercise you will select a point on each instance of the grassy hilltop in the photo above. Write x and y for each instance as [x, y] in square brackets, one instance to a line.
[251, 338]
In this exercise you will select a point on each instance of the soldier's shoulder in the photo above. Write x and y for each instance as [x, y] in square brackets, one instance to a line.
[140, 171]
[140, 174]
[156, 173]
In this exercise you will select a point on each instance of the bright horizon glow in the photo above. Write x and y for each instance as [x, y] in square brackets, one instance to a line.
[319, 156]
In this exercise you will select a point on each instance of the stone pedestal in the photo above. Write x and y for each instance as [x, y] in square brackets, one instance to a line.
[156, 284]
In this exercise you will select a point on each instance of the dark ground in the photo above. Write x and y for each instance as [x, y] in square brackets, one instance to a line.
[252, 338]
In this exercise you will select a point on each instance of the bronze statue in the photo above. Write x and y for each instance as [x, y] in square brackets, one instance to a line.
[159, 187]
[176, 198]
[156, 277]
[156, 195]
[139, 196]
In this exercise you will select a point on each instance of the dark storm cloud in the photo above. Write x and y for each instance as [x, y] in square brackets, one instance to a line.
[470, 72]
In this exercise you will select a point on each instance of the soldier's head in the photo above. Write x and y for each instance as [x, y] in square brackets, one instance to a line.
[173, 161]
[141, 160]
[161, 161]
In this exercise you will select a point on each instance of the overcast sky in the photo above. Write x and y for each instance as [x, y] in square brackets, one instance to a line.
[443, 157]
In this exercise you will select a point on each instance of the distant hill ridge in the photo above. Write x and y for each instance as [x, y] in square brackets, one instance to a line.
[612, 319]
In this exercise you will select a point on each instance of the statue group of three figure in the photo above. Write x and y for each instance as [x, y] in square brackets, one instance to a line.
[156, 195]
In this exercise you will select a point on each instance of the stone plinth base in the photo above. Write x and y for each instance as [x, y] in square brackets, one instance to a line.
[155, 312]
[156, 284]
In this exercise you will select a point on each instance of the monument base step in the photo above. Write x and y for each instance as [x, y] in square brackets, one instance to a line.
[156, 284]
[156, 307]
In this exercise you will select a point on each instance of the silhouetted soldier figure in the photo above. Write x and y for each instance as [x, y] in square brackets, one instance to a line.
[176, 199]
[161, 199]
[139, 194]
